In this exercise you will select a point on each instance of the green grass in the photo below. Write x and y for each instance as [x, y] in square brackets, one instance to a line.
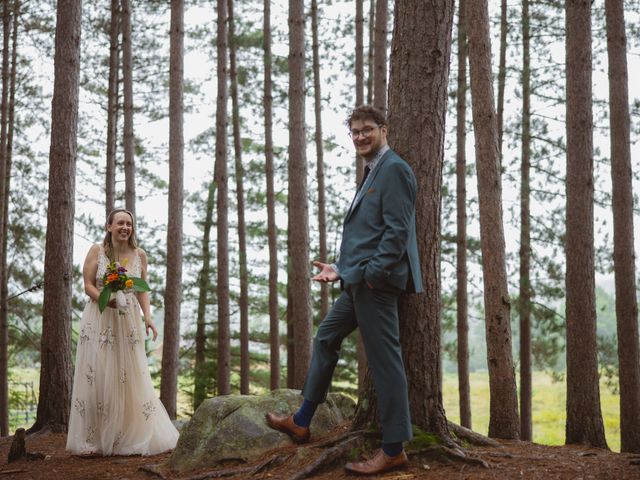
[548, 407]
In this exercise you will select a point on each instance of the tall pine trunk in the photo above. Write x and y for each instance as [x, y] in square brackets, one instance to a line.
[502, 69]
[503, 417]
[4, 181]
[242, 234]
[7, 151]
[584, 417]
[418, 100]
[204, 284]
[370, 54]
[127, 83]
[298, 241]
[56, 368]
[222, 208]
[525, 237]
[272, 232]
[461, 214]
[380, 56]
[322, 216]
[623, 254]
[112, 107]
[173, 291]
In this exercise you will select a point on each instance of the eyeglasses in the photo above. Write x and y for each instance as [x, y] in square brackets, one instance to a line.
[365, 132]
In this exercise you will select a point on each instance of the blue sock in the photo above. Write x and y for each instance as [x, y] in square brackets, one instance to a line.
[392, 449]
[305, 413]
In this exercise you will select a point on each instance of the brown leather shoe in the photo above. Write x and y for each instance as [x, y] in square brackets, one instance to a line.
[287, 425]
[379, 463]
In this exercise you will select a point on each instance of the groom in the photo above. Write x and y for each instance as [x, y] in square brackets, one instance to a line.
[378, 261]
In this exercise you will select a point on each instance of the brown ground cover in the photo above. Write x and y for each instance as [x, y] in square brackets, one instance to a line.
[513, 460]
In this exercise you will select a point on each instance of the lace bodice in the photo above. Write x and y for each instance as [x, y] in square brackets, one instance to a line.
[134, 268]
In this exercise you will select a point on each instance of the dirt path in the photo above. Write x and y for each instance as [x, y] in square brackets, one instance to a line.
[514, 460]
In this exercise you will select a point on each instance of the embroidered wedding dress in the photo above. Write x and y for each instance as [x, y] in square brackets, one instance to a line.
[114, 407]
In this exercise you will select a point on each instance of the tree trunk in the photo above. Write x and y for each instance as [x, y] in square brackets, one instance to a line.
[7, 150]
[380, 57]
[359, 53]
[461, 208]
[56, 366]
[127, 82]
[222, 209]
[242, 235]
[503, 420]
[370, 54]
[502, 70]
[173, 287]
[623, 241]
[298, 206]
[201, 380]
[525, 238]
[4, 181]
[272, 232]
[322, 216]
[112, 107]
[584, 418]
[417, 101]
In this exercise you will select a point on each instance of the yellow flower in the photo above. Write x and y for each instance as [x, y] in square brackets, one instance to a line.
[129, 283]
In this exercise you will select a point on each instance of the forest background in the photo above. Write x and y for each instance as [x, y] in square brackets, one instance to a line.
[336, 32]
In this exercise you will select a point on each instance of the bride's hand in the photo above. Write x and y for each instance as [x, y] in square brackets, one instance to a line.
[149, 325]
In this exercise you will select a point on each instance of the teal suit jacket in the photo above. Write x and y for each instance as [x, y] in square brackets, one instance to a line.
[379, 234]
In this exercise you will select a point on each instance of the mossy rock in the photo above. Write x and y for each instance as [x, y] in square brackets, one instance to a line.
[233, 427]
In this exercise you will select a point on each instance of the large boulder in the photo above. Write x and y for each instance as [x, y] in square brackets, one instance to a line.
[233, 427]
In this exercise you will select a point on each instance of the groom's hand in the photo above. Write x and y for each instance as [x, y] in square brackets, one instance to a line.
[326, 274]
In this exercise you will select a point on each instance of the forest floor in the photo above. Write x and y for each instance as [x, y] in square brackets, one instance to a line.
[512, 460]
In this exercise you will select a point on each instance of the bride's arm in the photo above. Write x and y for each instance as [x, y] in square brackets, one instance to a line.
[143, 298]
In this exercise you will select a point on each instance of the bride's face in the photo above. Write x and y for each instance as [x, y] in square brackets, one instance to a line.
[121, 227]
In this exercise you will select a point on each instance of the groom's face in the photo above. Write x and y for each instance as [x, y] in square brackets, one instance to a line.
[368, 137]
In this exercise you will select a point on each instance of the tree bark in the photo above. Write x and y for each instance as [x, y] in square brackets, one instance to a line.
[322, 216]
[242, 234]
[201, 381]
[359, 64]
[461, 209]
[623, 235]
[4, 180]
[502, 70]
[298, 244]
[112, 107]
[380, 56]
[417, 102]
[127, 82]
[370, 55]
[7, 150]
[584, 418]
[272, 233]
[503, 420]
[56, 367]
[222, 209]
[173, 287]
[525, 238]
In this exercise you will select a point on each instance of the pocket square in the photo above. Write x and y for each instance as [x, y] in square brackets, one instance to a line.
[371, 190]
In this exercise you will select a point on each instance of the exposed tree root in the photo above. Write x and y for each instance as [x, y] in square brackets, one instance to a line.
[333, 441]
[474, 438]
[246, 471]
[447, 455]
[327, 457]
[152, 470]
[15, 470]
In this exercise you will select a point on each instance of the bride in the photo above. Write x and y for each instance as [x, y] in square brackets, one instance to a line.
[114, 408]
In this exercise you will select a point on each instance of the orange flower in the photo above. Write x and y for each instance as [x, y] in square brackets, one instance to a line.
[112, 277]
[129, 283]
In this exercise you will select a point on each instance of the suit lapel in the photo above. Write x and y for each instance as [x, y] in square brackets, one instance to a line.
[365, 187]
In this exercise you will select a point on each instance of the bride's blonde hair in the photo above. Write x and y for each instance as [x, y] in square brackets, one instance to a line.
[108, 244]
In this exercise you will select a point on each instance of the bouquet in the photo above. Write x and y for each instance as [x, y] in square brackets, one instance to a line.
[116, 280]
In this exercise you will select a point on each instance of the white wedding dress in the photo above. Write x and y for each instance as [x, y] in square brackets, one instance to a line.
[114, 407]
